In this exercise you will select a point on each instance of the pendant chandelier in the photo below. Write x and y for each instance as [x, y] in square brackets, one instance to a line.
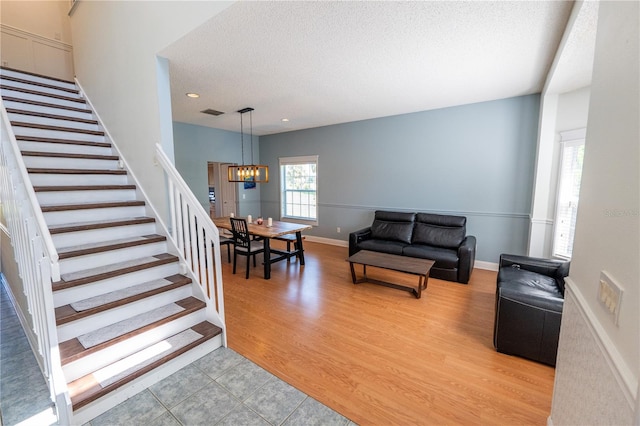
[251, 172]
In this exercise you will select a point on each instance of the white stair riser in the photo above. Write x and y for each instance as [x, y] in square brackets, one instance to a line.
[34, 119]
[74, 216]
[68, 239]
[101, 405]
[48, 110]
[18, 74]
[121, 313]
[37, 88]
[70, 295]
[41, 98]
[100, 359]
[69, 163]
[64, 148]
[63, 179]
[96, 260]
[44, 133]
[60, 197]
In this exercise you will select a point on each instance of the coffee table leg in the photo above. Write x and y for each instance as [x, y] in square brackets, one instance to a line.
[353, 273]
[421, 285]
[424, 285]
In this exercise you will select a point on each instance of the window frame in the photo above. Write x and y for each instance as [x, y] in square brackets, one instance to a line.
[568, 139]
[289, 161]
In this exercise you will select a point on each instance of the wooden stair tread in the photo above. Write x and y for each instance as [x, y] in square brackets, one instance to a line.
[39, 84]
[72, 350]
[52, 116]
[101, 224]
[25, 138]
[56, 128]
[46, 104]
[38, 93]
[85, 206]
[87, 389]
[113, 270]
[61, 80]
[68, 155]
[44, 94]
[85, 249]
[82, 188]
[76, 171]
[66, 313]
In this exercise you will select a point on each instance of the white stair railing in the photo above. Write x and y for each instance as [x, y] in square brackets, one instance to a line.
[37, 261]
[193, 232]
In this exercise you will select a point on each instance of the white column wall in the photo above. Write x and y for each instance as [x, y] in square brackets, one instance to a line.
[115, 47]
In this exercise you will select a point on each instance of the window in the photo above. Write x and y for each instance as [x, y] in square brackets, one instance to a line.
[299, 189]
[571, 158]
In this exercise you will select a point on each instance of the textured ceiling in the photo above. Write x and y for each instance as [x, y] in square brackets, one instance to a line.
[321, 63]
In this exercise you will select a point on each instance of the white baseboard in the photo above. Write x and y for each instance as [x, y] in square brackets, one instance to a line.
[330, 241]
[489, 266]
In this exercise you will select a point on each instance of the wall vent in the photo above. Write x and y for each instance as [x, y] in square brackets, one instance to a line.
[212, 112]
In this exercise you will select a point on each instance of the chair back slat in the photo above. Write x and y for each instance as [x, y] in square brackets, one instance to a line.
[240, 232]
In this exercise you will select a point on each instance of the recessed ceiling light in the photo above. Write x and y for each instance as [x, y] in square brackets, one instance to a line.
[193, 95]
[284, 120]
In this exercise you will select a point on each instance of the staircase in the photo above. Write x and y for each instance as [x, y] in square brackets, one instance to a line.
[127, 311]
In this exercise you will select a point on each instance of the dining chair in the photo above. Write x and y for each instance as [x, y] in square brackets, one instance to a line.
[243, 244]
[226, 241]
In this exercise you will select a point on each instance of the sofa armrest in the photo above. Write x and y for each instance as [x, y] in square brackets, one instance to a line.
[356, 237]
[467, 257]
[548, 267]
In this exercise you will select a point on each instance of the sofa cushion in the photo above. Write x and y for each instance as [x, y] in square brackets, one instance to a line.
[392, 231]
[394, 216]
[444, 258]
[391, 247]
[439, 236]
[542, 284]
[441, 219]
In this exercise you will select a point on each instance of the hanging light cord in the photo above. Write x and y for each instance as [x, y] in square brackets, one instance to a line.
[242, 138]
[251, 133]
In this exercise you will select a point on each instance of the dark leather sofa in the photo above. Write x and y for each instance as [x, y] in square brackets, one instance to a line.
[529, 301]
[442, 238]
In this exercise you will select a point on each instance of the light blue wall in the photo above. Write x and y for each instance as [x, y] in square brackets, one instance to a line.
[195, 146]
[473, 160]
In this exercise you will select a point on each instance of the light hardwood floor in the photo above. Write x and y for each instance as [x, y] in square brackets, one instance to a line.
[378, 355]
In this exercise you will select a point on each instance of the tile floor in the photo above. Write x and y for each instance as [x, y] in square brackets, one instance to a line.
[221, 388]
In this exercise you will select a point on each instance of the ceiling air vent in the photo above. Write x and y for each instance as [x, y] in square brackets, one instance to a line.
[212, 112]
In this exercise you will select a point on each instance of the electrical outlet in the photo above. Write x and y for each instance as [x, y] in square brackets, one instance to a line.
[338, 229]
[610, 295]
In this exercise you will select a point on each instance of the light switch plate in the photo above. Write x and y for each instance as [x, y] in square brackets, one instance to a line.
[610, 295]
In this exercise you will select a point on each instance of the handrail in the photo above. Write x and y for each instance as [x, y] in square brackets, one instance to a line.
[37, 261]
[192, 231]
[31, 195]
[213, 284]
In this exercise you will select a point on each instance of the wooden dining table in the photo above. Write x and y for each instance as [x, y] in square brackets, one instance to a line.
[277, 229]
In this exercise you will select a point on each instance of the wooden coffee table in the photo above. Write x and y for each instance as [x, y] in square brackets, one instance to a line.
[408, 265]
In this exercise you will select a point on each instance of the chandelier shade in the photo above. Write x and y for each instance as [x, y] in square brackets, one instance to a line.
[250, 173]
[256, 173]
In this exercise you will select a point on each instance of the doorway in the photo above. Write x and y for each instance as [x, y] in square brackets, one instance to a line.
[222, 193]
